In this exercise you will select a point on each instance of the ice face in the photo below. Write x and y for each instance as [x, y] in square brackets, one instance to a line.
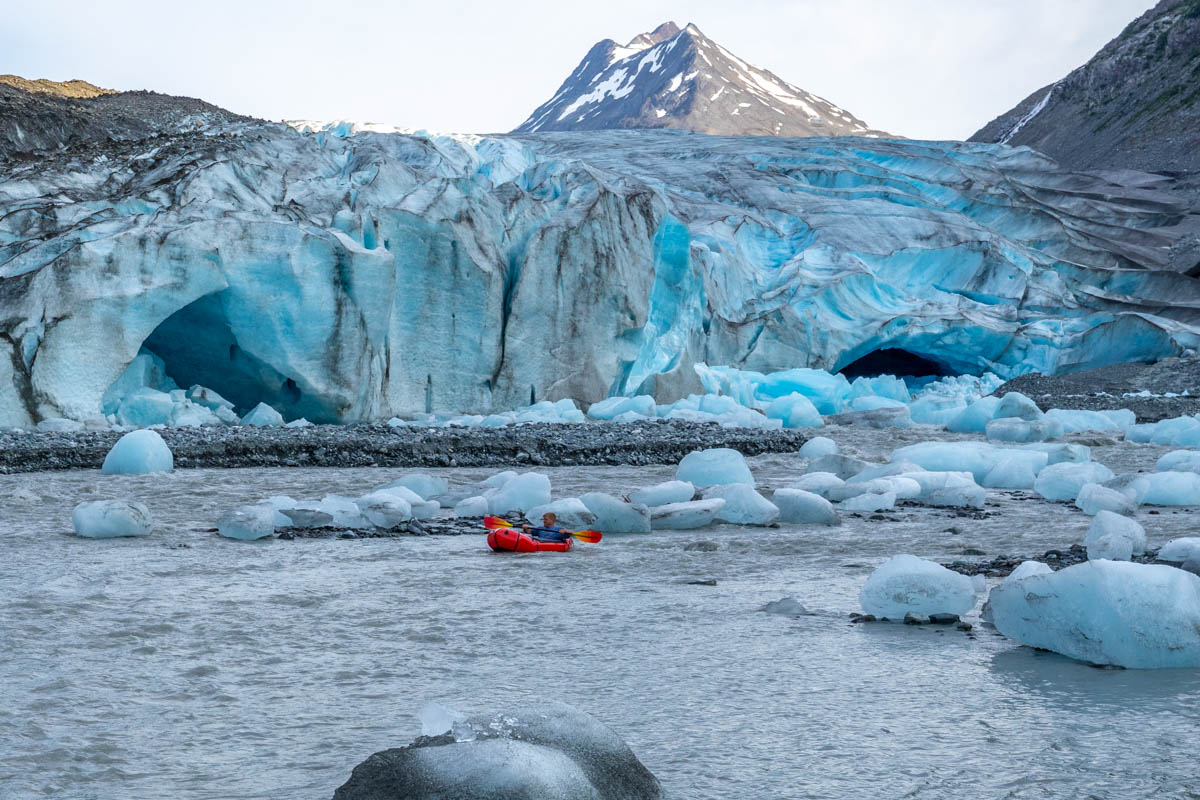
[1064, 481]
[106, 519]
[685, 516]
[614, 515]
[906, 584]
[1094, 498]
[806, 508]
[743, 505]
[818, 446]
[366, 247]
[1141, 616]
[664, 493]
[526, 491]
[248, 522]
[1172, 489]
[138, 453]
[714, 467]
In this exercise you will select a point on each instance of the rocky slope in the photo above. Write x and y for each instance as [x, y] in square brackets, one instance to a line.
[349, 278]
[1135, 105]
[40, 115]
[681, 79]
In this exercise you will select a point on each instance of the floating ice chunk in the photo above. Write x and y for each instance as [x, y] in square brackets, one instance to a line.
[1140, 616]
[526, 491]
[280, 502]
[903, 488]
[1010, 473]
[948, 489]
[190, 415]
[59, 425]
[795, 411]
[977, 458]
[842, 466]
[614, 515]
[1015, 404]
[384, 509]
[1094, 498]
[138, 453]
[1179, 461]
[818, 483]
[1027, 569]
[1181, 550]
[299, 423]
[870, 502]
[423, 485]
[713, 467]
[806, 508]
[263, 415]
[421, 508]
[787, 607]
[935, 410]
[499, 479]
[1013, 429]
[1110, 546]
[906, 584]
[817, 447]
[248, 522]
[1114, 526]
[685, 516]
[663, 494]
[106, 519]
[1170, 431]
[888, 387]
[975, 417]
[885, 471]
[437, 719]
[471, 507]
[605, 409]
[1063, 481]
[1134, 486]
[302, 515]
[1172, 489]
[743, 505]
[1073, 421]
[571, 512]
[1123, 418]
[1062, 452]
[613, 407]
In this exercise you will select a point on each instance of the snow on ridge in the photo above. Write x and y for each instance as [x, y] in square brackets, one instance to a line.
[609, 87]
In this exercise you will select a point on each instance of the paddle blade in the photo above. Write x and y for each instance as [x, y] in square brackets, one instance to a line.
[491, 523]
[591, 537]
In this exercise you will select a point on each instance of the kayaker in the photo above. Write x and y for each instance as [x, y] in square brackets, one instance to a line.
[549, 532]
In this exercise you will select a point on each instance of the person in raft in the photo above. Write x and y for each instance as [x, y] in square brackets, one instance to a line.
[549, 532]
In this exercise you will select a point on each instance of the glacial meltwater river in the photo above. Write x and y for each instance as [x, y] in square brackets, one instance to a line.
[188, 666]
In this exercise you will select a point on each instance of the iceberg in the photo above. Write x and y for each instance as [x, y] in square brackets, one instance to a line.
[975, 417]
[685, 516]
[1013, 429]
[805, 508]
[1141, 616]
[743, 505]
[1172, 489]
[842, 466]
[475, 506]
[248, 522]
[1181, 550]
[1179, 461]
[425, 486]
[263, 415]
[713, 467]
[818, 446]
[107, 519]
[522, 493]
[795, 411]
[1094, 498]
[1015, 405]
[138, 453]
[906, 584]
[822, 484]
[384, 509]
[663, 494]
[614, 515]
[1064, 481]
[870, 502]
[571, 512]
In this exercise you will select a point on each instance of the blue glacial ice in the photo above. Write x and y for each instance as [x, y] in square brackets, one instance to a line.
[718, 465]
[664, 493]
[1064, 481]
[106, 519]
[138, 453]
[905, 584]
[615, 515]
[1142, 616]
[413, 274]
[1110, 530]
[805, 508]
[686, 516]
[743, 505]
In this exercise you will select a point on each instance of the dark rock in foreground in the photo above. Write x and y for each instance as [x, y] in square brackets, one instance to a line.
[550, 753]
[1116, 386]
[540, 445]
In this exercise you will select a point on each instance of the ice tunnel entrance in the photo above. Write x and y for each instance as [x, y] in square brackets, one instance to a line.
[198, 346]
[895, 361]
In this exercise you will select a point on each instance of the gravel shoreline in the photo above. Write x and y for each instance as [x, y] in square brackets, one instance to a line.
[536, 445]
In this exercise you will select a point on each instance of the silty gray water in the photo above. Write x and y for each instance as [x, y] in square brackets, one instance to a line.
[188, 666]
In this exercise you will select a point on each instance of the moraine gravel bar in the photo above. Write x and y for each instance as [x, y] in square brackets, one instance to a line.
[540, 444]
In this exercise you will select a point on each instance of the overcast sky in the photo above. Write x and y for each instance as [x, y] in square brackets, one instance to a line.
[919, 68]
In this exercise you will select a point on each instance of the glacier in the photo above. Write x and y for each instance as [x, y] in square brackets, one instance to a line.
[340, 275]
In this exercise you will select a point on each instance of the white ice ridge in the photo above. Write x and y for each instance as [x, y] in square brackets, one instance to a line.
[559, 266]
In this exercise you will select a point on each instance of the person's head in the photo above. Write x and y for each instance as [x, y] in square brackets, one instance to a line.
[548, 519]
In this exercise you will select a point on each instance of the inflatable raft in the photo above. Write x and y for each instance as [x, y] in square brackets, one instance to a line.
[514, 540]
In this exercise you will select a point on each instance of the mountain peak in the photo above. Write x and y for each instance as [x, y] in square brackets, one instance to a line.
[679, 78]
